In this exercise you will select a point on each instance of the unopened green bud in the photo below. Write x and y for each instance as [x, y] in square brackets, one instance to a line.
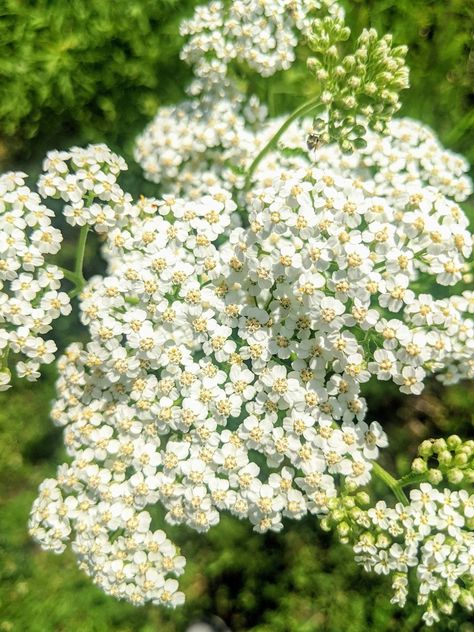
[382, 541]
[466, 598]
[453, 442]
[359, 130]
[363, 499]
[349, 502]
[322, 74]
[370, 88]
[346, 86]
[367, 35]
[454, 592]
[345, 131]
[343, 529]
[419, 466]
[445, 606]
[333, 503]
[439, 445]
[350, 487]
[326, 97]
[319, 125]
[384, 78]
[379, 126]
[391, 65]
[325, 138]
[346, 147]
[349, 121]
[435, 477]
[313, 64]
[455, 476]
[354, 82]
[469, 476]
[361, 55]
[400, 51]
[349, 62]
[445, 458]
[325, 524]
[426, 448]
[353, 513]
[349, 102]
[338, 515]
[460, 458]
[344, 34]
[389, 96]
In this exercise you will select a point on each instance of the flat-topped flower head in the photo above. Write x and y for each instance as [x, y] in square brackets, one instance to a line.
[30, 296]
[228, 343]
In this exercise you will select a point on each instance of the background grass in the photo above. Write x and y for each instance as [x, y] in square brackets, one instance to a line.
[81, 71]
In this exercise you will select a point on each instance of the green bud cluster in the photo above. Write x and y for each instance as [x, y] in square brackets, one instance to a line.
[450, 458]
[346, 514]
[358, 90]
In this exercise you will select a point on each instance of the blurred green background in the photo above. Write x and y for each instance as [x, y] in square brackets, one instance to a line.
[81, 71]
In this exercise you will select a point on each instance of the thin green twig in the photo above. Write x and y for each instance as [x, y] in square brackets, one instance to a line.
[306, 108]
[390, 481]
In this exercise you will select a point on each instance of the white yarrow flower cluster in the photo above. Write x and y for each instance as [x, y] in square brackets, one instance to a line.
[189, 147]
[30, 296]
[227, 377]
[407, 155]
[138, 564]
[261, 33]
[240, 316]
[86, 180]
[431, 538]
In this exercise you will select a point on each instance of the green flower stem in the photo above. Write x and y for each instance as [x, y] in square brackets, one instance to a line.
[77, 276]
[412, 479]
[306, 108]
[68, 274]
[390, 481]
[81, 248]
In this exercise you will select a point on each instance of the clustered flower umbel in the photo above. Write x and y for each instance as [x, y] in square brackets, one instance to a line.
[260, 33]
[194, 145]
[233, 330]
[433, 535]
[427, 541]
[213, 134]
[29, 287]
[187, 149]
[441, 459]
[86, 180]
[227, 378]
[365, 83]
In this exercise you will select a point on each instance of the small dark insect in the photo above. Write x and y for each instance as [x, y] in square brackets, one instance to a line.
[313, 141]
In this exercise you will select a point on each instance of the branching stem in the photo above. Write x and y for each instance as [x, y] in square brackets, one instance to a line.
[390, 481]
[81, 247]
[77, 276]
[306, 108]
